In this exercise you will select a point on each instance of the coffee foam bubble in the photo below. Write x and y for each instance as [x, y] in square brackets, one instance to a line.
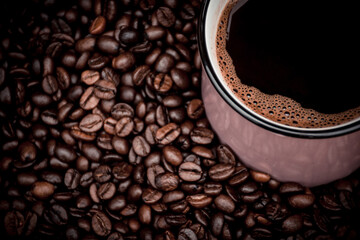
[275, 107]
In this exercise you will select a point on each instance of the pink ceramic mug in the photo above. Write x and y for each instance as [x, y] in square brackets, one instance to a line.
[308, 156]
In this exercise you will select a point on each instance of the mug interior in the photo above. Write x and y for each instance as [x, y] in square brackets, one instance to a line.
[208, 24]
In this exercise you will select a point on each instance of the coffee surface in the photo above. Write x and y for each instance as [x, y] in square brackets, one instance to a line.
[293, 62]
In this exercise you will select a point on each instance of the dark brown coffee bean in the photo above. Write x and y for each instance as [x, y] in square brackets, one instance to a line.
[117, 203]
[151, 195]
[301, 200]
[140, 74]
[224, 203]
[291, 187]
[109, 125]
[122, 171]
[120, 110]
[121, 145]
[128, 36]
[65, 153]
[108, 44]
[88, 100]
[329, 202]
[124, 61]
[189, 171]
[49, 117]
[292, 224]
[195, 109]
[49, 84]
[203, 152]
[199, 200]
[102, 174]
[168, 133]
[217, 223]
[104, 89]
[162, 82]
[164, 63]
[180, 78]
[42, 190]
[154, 33]
[225, 155]
[78, 134]
[166, 181]
[172, 155]
[91, 123]
[91, 152]
[221, 171]
[101, 224]
[173, 196]
[145, 214]
[251, 197]
[98, 25]
[212, 188]
[124, 127]
[202, 135]
[259, 176]
[165, 16]
[63, 78]
[56, 215]
[106, 191]
[141, 146]
[98, 61]
[72, 178]
[240, 175]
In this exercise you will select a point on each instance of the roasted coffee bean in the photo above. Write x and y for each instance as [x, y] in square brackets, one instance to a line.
[117, 203]
[168, 133]
[65, 153]
[104, 89]
[42, 190]
[101, 224]
[225, 155]
[122, 171]
[107, 44]
[212, 188]
[224, 203]
[195, 109]
[217, 223]
[301, 200]
[120, 145]
[180, 78]
[98, 61]
[221, 171]
[165, 16]
[56, 215]
[124, 127]
[292, 224]
[291, 187]
[190, 172]
[166, 181]
[164, 63]
[259, 176]
[72, 178]
[124, 61]
[122, 110]
[102, 173]
[91, 123]
[140, 74]
[162, 82]
[151, 195]
[49, 84]
[201, 135]
[140, 146]
[91, 152]
[199, 200]
[106, 191]
[172, 155]
[88, 100]
[98, 25]
[154, 33]
[203, 152]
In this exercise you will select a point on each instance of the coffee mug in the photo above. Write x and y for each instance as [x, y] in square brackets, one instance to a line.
[309, 156]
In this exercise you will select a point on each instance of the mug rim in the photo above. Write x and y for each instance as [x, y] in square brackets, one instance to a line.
[250, 115]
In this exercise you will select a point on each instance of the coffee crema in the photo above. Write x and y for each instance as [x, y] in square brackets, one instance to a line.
[293, 62]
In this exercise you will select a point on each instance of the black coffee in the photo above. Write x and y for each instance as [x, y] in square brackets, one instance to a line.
[297, 60]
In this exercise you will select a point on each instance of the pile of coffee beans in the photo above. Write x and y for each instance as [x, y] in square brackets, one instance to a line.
[104, 136]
